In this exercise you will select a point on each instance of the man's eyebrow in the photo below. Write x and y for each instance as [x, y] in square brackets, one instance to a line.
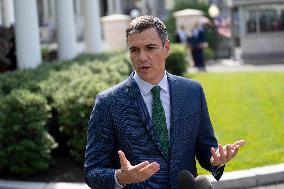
[152, 44]
[147, 45]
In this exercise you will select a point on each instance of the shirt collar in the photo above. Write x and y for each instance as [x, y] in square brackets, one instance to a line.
[146, 87]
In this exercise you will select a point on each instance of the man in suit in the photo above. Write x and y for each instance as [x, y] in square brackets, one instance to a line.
[197, 43]
[181, 36]
[145, 130]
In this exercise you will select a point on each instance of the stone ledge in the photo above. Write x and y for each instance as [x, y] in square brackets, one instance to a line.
[250, 178]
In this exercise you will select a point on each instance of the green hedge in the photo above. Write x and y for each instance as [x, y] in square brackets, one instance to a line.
[29, 98]
[24, 141]
[73, 93]
[176, 63]
[37, 104]
[208, 53]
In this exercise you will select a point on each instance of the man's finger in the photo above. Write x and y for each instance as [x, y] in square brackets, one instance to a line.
[214, 157]
[149, 170]
[141, 166]
[240, 143]
[123, 160]
[236, 149]
[151, 167]
[229, 151]
[221, 151]
[213, 152]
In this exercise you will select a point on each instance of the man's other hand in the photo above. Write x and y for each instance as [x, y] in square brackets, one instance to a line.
[129, 174]
[224, 154]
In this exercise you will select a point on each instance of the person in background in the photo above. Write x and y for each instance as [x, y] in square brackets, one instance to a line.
[197, 42]
[145, 130]
[181, 35]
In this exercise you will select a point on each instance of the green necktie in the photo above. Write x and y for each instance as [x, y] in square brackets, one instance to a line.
[159, 119]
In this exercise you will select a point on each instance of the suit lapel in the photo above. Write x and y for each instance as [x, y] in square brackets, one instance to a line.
[134, 92]
[174, 109]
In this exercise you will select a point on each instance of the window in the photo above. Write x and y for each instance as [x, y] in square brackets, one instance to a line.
[282, 20]
[269, 20]
[251, 21]
[265, 19]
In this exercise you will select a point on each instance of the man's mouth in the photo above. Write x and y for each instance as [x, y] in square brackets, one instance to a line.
[144, 68]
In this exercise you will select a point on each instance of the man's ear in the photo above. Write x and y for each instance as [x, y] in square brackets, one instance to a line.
[168, 46]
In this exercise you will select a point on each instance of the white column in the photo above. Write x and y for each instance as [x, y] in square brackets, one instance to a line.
[242, 21]
[110, 7]
[52, 20]
[153, 8]
[145, 9]
[8, 10]
[118, 7]
[1, 19]
[45, 8]
[27, 34]
[78, 7]
[66, 34]
[93, 39]
[52, 9]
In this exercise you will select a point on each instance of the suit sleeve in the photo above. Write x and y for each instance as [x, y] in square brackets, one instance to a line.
[206, 138]
[100, 150]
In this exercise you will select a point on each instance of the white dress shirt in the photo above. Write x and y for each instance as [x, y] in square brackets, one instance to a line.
[145, 90]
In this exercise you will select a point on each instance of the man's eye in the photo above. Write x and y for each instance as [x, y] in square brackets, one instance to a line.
[151, 47]
[132, 50]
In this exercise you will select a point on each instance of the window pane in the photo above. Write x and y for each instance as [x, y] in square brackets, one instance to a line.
[268, 20]
[282, 20]
[251, 21]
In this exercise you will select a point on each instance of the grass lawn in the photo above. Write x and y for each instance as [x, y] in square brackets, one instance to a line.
[250, 106]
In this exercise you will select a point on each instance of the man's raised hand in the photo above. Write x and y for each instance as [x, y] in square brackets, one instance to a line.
[224, 154]
[129, 174]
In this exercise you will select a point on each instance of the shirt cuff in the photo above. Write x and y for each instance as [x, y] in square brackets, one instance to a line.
[217, 171]
[117, 185]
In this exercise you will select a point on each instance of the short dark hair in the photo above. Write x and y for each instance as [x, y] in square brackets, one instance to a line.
[142, 23]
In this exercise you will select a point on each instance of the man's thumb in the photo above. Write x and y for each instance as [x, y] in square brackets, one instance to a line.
[123, 160]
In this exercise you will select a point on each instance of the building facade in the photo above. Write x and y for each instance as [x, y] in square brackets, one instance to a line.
[257, 25]
[47, 14]
[258, 28]
[66, 23]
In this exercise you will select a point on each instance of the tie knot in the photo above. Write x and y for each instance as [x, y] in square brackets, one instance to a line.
[156, 90]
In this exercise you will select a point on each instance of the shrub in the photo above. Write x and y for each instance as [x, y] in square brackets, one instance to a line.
[74, 105]
[72, 94]
[24, 142]
[48, 55]
[21, 79]
[208, 53]
[176, 63]
[171, 27]
[103, 56]
[65, 91]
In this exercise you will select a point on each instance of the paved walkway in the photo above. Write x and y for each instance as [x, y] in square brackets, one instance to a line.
[228, 65]
[256, 177]
[278, 186]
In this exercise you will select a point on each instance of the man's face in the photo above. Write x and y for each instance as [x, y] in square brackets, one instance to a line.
[148, 55]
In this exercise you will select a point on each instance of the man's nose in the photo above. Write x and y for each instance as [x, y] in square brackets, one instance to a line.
[143, 55]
